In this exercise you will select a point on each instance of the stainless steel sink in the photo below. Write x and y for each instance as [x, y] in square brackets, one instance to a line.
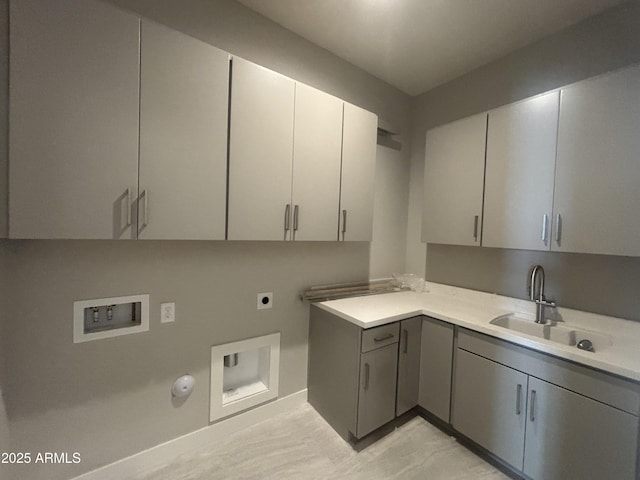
[553, 331]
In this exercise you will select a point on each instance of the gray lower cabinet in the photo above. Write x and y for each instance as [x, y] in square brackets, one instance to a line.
[538, 416]
[377, 399]
[490, 406]
[408, 364]
[352, 373]
[436, 357]
[572, 436]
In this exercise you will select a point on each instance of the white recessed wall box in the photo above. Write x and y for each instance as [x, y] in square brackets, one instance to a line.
[110, 317]
[244, 374]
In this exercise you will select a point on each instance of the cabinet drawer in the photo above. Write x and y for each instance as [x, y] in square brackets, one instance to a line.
[380, 336]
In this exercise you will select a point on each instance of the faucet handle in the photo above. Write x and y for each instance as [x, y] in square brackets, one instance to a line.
[545, 303]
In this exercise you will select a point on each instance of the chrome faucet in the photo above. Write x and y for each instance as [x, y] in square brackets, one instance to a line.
[537, 280]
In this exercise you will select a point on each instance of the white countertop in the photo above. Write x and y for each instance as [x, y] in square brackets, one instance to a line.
[475, 310]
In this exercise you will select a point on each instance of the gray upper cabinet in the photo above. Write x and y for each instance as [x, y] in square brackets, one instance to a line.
[454, 182]
[408, 364]
[184, 88]
[260, 153]
[358, 174]
[520, 166]
[597, 199]
[317, 152]
[73, 140]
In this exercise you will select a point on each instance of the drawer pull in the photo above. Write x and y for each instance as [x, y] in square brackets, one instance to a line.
[383, 337]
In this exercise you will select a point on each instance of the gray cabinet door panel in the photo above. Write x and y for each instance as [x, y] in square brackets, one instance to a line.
[184, 88]
[408, 365]
[454, 182]
[260, 153]
[358, 174]
[521, 159]
[489, 406]
[597, 168]
[377, 393]
[73, 141]
[317, 153]
[571, 436]
[435, 367]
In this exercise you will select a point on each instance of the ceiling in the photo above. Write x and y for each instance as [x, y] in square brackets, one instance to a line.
[416, 45]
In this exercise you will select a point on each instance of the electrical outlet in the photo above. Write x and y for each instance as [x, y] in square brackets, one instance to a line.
[265, 300]
[167, 312]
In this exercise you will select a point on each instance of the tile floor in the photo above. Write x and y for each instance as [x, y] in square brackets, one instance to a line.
[301, 445]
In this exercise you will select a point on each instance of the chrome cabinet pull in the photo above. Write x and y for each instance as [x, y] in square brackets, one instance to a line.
[545, 218]
[532, 413]
[558, 228]
[405, 334]
[344, 221]
[126, 215]
[518, 399]
[366, 376]
[295, 218]
[287, 209]
[145, 210]
[475, 227]
[383, 337]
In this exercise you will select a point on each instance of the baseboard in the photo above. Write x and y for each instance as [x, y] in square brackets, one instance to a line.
[203, 438]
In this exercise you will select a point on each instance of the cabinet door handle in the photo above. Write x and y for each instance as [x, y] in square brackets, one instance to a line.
[126, 215]
[518, 398]
[366, 376]
[475, 227]
[287, 209]
[383, 337]
[558, 228]
[545, 218]
[405, 334]
[344, 222]
[532, 410]
[295, 218]
[144, 196]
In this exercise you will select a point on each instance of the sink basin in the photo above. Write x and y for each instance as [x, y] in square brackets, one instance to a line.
[553, 331]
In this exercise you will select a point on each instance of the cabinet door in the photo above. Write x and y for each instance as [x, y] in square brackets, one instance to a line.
[521, 157]
[360, 129]
[260, 153]
[572, 436]
[597, 169]
[435, 367]
[489, 406]
[73, 142]
[454, 181]
[377, 393]
[184, 88]
[408, 365]
[317, 148]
